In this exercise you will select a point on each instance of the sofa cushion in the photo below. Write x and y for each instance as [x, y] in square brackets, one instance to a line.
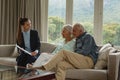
[15, 52]
[86, 74]
[6, 50]
[104, 47]
[103, 56]
[10, 61]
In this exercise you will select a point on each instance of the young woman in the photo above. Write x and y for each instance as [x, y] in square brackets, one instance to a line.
[29, 40]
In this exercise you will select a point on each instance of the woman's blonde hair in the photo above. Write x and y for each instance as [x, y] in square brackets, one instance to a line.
[68, 27]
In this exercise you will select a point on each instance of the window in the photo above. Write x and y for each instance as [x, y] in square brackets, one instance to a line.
[111, 22]
[83, 12]
[56, 19]
[93, 14]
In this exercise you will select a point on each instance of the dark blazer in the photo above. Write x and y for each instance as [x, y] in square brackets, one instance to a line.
[23, 59]
[34, 41]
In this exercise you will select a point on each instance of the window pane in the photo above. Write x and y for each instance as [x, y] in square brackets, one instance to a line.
[56, 19]
[83, 12]
[111, 26]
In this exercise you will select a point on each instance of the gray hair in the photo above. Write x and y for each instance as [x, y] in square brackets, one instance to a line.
[68, 27]
[80, 26]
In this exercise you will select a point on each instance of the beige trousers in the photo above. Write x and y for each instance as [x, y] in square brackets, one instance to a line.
[64, 60]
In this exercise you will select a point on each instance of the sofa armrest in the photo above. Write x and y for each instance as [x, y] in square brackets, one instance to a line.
[6, 50]
[113, 65]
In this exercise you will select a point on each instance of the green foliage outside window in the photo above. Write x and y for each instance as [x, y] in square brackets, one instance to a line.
[111, 33]
[88, 27]
[55, 27]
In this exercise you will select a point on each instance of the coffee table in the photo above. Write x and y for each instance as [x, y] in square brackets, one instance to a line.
[7, 73]
[43, 75]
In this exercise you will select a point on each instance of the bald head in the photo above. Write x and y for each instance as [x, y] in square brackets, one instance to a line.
[78, 30]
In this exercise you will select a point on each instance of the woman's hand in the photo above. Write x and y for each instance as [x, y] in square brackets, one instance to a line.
[33, 53]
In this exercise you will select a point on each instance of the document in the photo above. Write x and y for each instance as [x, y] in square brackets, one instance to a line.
[23, 50]
[42, 59]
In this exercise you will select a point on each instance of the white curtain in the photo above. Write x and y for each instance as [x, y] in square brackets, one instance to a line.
[11, 10]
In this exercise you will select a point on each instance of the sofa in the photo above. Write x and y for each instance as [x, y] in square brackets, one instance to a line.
[8, 54]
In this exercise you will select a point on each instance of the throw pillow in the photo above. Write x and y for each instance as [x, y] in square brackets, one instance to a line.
[15, 52]
[104, 47]
[103, 56]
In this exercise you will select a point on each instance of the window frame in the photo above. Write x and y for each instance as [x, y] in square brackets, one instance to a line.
[98, 18]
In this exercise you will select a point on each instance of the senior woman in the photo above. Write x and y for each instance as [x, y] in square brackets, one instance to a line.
[68, 44]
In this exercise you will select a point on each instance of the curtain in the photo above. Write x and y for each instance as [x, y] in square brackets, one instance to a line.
[7, 21]
[32, 10]
[11, 10]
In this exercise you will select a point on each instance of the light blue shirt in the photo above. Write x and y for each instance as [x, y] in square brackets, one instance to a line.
[26, 36]
[66, 46]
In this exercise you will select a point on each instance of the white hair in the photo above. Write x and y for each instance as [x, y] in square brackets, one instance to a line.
[80, 26]
[68, 27]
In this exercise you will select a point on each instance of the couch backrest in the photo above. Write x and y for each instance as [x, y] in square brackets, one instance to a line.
[47, 47]
[6, 50]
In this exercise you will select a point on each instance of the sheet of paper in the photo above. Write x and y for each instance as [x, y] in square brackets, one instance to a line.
[42, 59]
[23, 50]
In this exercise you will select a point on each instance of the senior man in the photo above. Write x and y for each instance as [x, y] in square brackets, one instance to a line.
[84, 56]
